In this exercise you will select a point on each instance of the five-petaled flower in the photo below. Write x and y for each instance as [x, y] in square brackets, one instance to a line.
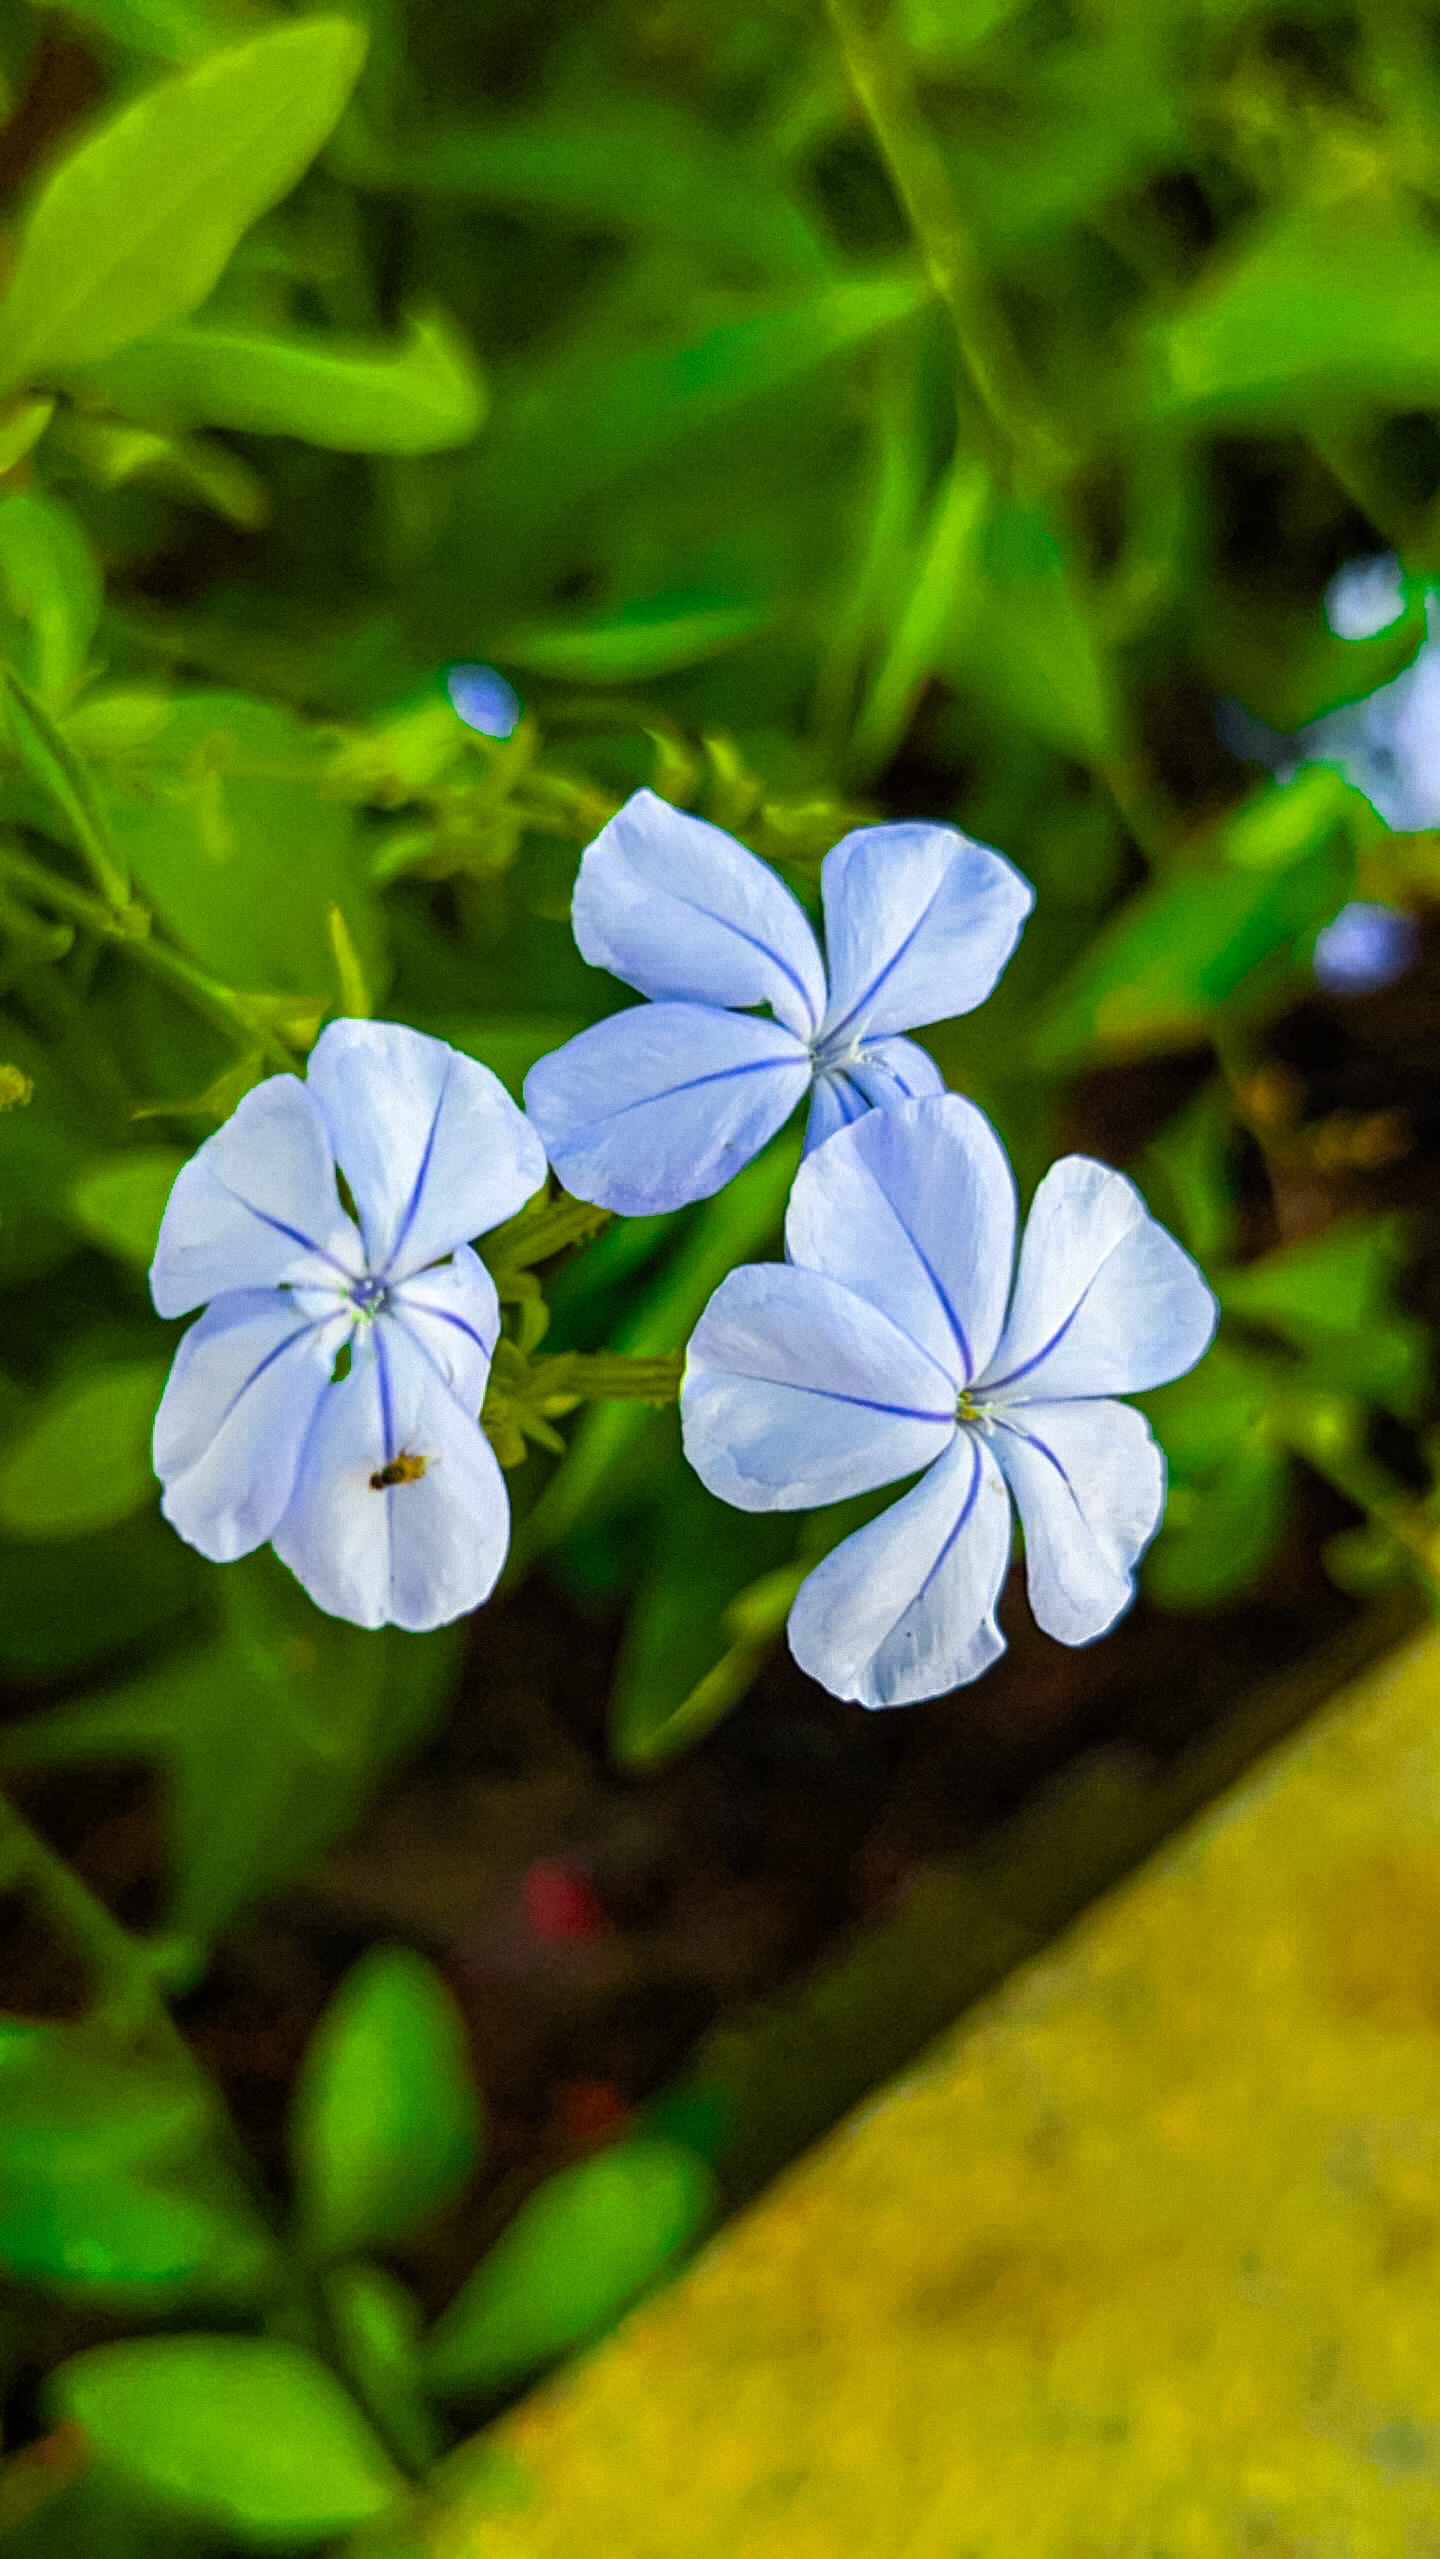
[884, 1344]
[664, 1102]
[377, 1485]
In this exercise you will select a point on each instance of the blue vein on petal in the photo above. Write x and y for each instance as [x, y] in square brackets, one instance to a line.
[279, 1227]
[299, 1334]
[1032, 1441]
[754, 943]
[993, 1385]
[832, 1030]
[398, 1247]
[967, 1507]
[412, 1306]
[722, 1075]
[829, 1394]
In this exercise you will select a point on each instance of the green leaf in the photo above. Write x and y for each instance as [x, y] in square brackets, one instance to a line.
[1181, 949]
[1321, 309]
[22, 423]
[112, 2180]
[680, 1669]
[578, 2250]
[223, 814]
[1220, 1529]
[248, 2434]
[117, 1201]
[634, 646]
[376, 2326]
[1020, 633]
[385, 2121]
[84, 1460]
[170, 30]
[421, 396]
[50, 581]
[508, 1044]
[67, 1604]
[630, 166]
[730, 1228]
[639, 402]
[133, 228]
[273, 1738]
[53, 765]
[1229, 1480]
[1333, 1297]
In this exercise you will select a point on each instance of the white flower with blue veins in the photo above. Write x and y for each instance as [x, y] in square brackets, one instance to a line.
[890, 1340]
[663, 1103]
[374, 1481]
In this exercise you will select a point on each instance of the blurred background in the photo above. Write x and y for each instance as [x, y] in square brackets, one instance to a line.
[418, 430]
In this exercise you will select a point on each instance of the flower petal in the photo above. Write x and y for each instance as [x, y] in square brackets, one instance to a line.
[432, 1146]
[896, 1070]
[662, 1104]
[1089, 1484]
[834, 1102]
[254, 1205]
[238, 1403]
[416, 1553]
[905, 1608]
[919, 923]
[454, 1311]
[796, 1392]
[914, 1208]
[677, 908]
[1106, 1302]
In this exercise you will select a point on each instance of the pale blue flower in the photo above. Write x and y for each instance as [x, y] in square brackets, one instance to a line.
[328, 1398]
[1366, 947]
[890, 1340]
[1387, 744]
[1366, 596]
[662, 1104]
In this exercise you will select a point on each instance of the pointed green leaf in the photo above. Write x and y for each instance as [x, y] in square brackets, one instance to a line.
[84, 1460]
[54, 766]
[118, 1200]
[272, 1738]
[633, 646]
[134, 227]
[50, 580]
[420, 396]
[578, 2250]
[385, 2123]
[111, 2177]
[248, 2434]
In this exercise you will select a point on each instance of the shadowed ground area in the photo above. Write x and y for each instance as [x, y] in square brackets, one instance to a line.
[1142, 2259]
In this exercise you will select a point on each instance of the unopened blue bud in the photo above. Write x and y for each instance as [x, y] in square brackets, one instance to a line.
[484, 700]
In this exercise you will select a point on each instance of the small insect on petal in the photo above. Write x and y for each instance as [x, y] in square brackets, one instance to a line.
[404, 1469]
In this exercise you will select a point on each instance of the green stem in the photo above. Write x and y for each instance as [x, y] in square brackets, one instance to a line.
[131, 926]
[128, 1997]
[880, 79]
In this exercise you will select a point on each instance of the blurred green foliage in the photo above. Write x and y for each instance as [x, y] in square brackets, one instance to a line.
[817, 412]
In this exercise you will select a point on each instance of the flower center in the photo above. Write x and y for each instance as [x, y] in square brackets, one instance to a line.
[970, 1410]
[369, 1295]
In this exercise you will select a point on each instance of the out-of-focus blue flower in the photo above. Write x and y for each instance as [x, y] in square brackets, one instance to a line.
[1387, 745]
[1365, 948]
[1365, 597]
[662, 1104]
[883, 1345]
[377, 1487]
[484, 700]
